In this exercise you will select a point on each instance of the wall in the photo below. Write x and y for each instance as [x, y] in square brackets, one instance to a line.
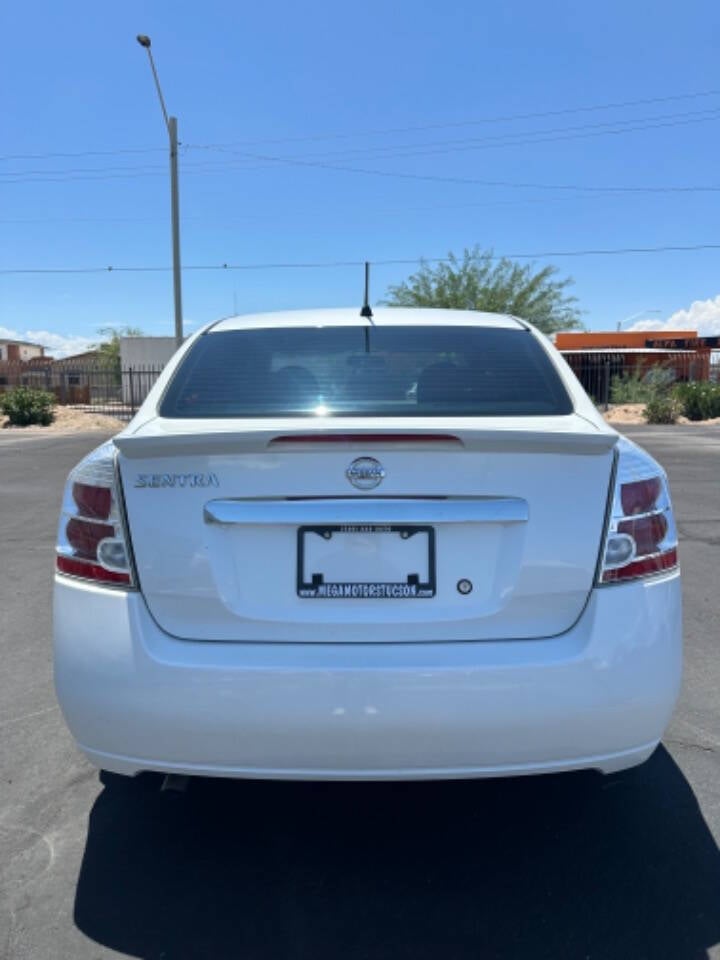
[145, 357]
[146, 351]
[618, 339]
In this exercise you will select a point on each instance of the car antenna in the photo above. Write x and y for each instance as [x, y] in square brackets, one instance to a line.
[366, 308]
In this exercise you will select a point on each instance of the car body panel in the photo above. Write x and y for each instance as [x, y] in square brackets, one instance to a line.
[598, 696]
[216, 666]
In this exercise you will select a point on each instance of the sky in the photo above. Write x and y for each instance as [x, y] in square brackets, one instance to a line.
[333, 133]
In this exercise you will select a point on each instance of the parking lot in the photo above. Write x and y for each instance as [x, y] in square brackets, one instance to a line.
[569, 866]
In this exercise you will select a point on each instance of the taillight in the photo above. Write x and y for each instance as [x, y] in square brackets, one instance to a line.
[92, 539]
[642, 538]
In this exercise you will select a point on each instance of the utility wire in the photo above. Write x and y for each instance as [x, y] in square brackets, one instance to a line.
[436, 178]
[505, 139]
[68, 154]
[332, 264]
[615, 105]
[476, 122]
[388, 152]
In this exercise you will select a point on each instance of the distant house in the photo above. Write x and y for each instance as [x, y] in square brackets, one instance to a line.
[20, 351]
[87, 359]
[22, 364]
[82, 378]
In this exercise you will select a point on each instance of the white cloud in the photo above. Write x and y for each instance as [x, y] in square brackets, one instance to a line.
[57, 345]
[701, 315]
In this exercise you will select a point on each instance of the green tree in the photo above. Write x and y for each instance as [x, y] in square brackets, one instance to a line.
[480, 281]
[109, 347]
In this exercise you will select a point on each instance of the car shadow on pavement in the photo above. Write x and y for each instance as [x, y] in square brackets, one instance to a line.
[558, 867]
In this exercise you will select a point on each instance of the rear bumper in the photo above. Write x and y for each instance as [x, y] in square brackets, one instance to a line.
[599, 696]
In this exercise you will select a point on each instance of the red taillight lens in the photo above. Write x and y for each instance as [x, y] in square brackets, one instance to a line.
[642, 538]
[92, 540]
[92, 502]
[643, 568]
[91, 571]
[640, 496]
[647, 532]
[84, 536]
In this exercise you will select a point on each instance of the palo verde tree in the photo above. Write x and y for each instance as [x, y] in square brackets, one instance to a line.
[480, 281]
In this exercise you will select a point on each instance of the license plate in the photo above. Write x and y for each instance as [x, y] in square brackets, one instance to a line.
[366, 562]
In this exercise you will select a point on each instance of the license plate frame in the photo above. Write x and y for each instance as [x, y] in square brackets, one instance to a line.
[314, 587]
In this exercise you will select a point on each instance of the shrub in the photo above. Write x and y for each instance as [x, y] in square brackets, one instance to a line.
[24, 406]
[699, 401]
[662, 408]
[634, 388]
[629, 388]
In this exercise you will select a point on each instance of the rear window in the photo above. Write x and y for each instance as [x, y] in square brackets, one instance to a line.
[403, 371]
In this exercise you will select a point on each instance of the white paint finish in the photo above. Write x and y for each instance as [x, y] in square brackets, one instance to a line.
[171, 438]
[367, 557]
[600, 695]
[223, 583]
[382, 317]
[370, 689]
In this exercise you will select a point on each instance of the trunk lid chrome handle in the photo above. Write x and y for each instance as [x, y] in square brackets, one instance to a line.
[359, 510]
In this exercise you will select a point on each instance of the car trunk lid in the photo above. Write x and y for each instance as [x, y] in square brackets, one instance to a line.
[493, 526]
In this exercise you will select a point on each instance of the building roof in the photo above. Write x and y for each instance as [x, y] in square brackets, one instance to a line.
[20, 343]
[573, 339]
[589, 351]
[87, 355]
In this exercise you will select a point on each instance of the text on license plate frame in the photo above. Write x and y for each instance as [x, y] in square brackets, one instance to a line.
[315, 588]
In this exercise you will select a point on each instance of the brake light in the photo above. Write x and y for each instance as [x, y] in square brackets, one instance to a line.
[642, 538]
[92, 538]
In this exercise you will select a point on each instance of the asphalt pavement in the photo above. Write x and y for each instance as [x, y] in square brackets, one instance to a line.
[571, 866]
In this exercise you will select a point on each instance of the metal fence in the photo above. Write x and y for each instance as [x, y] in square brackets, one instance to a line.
[624, 377]
[715, 366]
[95, 387]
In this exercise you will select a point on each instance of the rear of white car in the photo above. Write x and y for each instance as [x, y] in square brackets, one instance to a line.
[335, 547]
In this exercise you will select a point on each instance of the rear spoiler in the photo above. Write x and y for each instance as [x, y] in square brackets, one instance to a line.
[292, 438]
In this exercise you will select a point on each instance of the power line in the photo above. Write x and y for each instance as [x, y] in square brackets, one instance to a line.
[436, 178]
[332, 264]
[606, 128]
[445, 125]
[476, 122]
[388, 152]
[67, 154]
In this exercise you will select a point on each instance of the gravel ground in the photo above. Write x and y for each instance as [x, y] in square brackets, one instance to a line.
[68, 421]
[631, 413]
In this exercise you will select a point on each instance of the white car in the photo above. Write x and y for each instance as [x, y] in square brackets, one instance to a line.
[332, 546]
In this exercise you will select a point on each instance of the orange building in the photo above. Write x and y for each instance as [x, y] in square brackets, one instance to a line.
[614, 340]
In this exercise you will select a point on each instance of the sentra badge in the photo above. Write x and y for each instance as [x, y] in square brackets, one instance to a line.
[160, 481]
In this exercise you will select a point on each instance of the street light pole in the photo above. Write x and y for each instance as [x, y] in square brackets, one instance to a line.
[171, 125]
[634, 316]
[175, 216]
